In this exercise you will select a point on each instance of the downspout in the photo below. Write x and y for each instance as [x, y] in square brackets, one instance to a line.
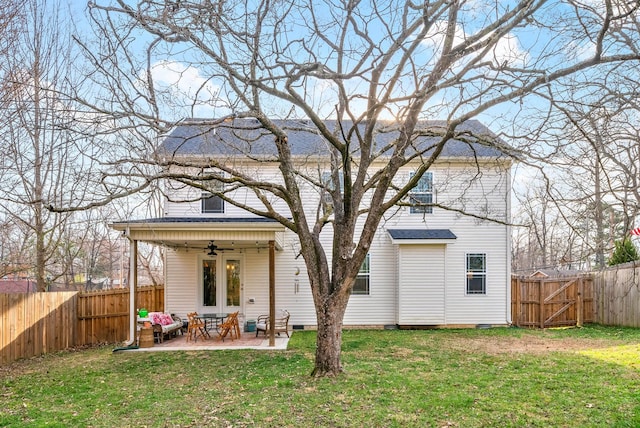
[133, 288]
[508, 312]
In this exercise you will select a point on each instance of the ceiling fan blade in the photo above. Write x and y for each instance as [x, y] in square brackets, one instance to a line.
[212, 249]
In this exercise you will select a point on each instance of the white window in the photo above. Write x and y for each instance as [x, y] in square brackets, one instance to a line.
[212, 203]
[476, 273]
[422, 195]
[361, 286]
[327, 181]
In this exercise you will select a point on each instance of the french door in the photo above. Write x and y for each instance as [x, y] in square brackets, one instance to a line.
[221, 286]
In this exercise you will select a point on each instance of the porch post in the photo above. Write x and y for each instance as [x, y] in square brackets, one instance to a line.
[133, 290]
[133, 276]
[272, 293]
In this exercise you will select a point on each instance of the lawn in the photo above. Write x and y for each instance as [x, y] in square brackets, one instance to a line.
[426, 378]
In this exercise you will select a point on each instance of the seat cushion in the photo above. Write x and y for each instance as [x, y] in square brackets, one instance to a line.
[261, 326]
[171, 327]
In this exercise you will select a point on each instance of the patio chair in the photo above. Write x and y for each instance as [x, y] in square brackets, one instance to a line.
[281, 324]
[196, 327]
[229, 327]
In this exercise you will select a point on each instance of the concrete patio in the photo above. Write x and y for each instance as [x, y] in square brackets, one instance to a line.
[247, 340]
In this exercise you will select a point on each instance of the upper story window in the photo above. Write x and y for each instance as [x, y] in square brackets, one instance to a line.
[476, 273]
[212, 203]
[422, 195]
[361, 286]
[327, 181]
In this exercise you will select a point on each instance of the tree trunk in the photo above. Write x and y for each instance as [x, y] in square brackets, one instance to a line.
[329, 340]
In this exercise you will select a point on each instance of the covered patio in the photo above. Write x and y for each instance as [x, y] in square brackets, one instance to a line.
[232, 236]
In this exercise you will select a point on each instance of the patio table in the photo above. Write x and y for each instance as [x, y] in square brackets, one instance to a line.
[212, 319]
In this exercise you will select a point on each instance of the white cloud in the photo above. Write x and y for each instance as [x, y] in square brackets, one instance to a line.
[579, 50]
[506, 51]
[183, 86]
[185, 78]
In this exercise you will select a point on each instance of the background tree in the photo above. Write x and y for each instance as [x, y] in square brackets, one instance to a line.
[623, 252]
[358, 62]
[593, 172]
[46, 153]
[12, 23]
[37, 154]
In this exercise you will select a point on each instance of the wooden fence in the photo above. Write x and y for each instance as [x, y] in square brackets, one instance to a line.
[551, 302]
[36, 323]
[103, 316]
[617, 291]
[32, 324]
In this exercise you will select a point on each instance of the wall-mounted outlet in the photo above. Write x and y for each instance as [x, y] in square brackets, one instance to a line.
[252, 300]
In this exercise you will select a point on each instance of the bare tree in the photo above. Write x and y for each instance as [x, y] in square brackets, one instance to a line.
[592, 179]
[40, 160]
[11, 25]
[357, 62]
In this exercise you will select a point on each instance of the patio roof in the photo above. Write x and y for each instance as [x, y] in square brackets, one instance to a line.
[195, 232]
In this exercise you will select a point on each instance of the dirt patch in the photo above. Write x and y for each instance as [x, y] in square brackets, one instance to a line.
[528, 344]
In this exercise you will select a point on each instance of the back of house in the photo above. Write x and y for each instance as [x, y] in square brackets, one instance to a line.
[443, 261]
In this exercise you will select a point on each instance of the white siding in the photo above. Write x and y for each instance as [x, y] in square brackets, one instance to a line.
[379, 307]
[181, 282]
[410, 284]
[293, 292]
[421, 285]
[192, 207]
[492, 307]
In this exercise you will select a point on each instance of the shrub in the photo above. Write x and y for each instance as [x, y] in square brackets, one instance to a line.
[623, 252]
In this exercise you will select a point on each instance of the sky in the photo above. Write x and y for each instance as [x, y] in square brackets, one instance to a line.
[188, 84]
[200, 96]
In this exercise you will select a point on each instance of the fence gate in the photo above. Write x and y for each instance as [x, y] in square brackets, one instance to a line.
[551, 302]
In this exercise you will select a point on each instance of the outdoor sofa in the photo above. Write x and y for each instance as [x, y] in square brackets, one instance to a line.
[164, 325]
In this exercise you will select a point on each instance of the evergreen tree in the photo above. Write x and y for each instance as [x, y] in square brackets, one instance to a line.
[623, 252]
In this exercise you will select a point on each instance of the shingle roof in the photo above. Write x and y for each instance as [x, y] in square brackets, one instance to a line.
[199, 220]
[242, 136]
[418, 234]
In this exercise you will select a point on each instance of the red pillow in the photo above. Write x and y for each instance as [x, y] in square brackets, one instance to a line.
[155, 317]
[165, 319]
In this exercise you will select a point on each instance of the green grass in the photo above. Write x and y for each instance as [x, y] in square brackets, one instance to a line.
[585, 377]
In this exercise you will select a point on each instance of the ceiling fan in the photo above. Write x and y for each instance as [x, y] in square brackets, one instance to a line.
[213, 247]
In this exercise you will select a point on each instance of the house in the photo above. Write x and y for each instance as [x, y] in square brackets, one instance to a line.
[9, 286]
[555, 273]
[427, 265]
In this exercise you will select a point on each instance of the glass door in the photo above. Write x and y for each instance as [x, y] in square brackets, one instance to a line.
[232, 293]
[209, 285]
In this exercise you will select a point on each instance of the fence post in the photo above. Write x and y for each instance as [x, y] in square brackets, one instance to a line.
[579, 302]
[541, 303]
[517, 308]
